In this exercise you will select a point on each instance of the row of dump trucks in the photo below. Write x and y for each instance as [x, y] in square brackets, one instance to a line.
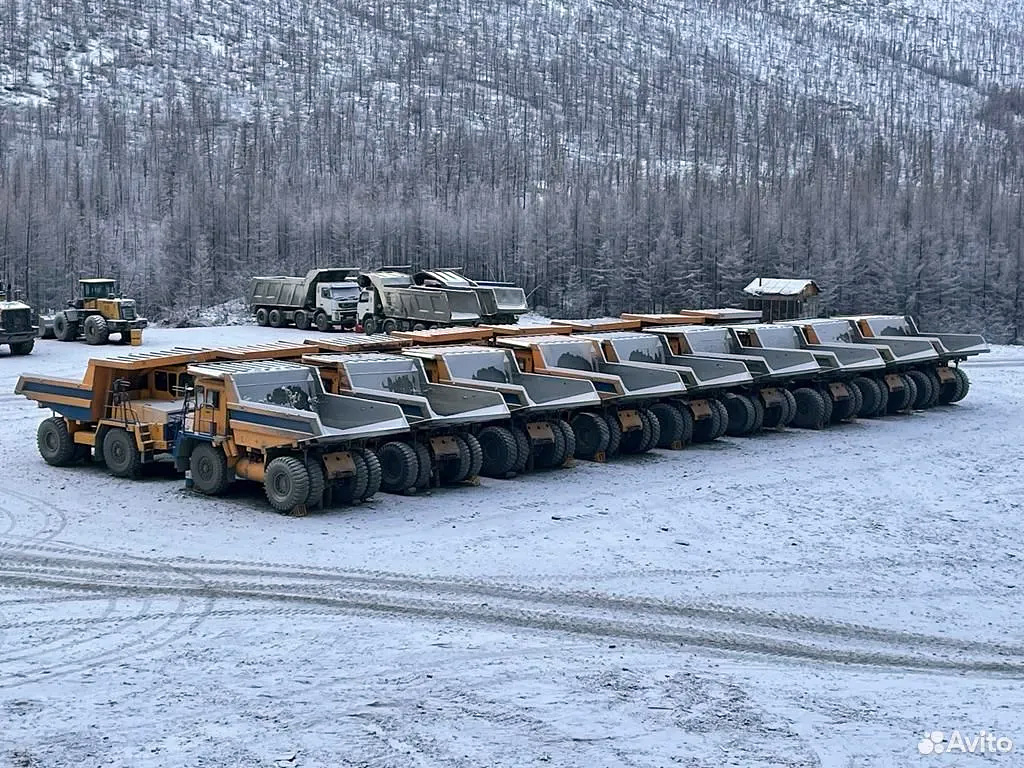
[321, 423]
[384, 300]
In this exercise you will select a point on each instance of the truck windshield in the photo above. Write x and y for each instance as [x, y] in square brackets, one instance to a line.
[345, 291]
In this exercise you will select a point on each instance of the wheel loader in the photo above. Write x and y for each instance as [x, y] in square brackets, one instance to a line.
[95, 315]
[218, 415]
[445, 420]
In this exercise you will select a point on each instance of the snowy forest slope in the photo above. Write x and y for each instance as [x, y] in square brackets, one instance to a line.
[608, 154]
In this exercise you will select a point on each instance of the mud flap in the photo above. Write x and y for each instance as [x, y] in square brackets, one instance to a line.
[540, 432]
[700, 409]
[339, 464]
[946, 374]
[629, 420]
[894, 382]
[771, 396]
[838, 390]
[444, 445]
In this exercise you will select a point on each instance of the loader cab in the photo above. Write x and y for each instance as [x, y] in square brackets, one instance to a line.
[96, 289]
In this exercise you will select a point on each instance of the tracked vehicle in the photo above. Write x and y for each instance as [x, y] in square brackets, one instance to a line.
[442, 447]
[936, 381]
[538, 433]
[219, 415]
[624, 422]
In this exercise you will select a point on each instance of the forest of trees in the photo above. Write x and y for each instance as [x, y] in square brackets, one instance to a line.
[623, 157]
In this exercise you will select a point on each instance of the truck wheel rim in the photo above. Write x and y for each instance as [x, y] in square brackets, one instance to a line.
[281, 484]
[50, 441]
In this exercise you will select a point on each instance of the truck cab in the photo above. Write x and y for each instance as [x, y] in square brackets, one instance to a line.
[338, 300]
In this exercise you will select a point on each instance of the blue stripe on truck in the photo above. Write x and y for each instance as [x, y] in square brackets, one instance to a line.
[266, 420]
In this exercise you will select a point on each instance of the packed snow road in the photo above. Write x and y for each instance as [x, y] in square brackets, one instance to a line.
[795, 599]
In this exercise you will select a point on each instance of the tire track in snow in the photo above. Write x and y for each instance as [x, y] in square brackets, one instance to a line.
[715, 627]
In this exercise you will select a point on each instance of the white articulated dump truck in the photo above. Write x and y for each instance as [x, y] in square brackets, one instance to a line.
[324, 298]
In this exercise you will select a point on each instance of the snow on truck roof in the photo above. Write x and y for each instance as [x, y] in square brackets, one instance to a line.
[183, 355]
[780, 286]
[223, 368]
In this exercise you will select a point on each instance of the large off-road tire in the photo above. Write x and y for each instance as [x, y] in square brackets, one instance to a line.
[963, 385]
[790, 408]
[390, 325]
[570, 438]
[614, 434]
[947, 389]
[349, 490]
[419, 327]
[322, 322]
[369, 325]
[399, 466]
[810, 408]
[884, 397]
[455, 470]
[653, 430]
[552, 454]
[209, 467]
[262, 317]
[275, 318]
[592, 434]
[858, 401]
[830, 404]
[774, 413]
[933, 377]
[524, 449]
[640, 440]
[120, 454]
[670, 423]
[64, 329]
[723, 417]
[923, 384]
[317, 483]
[22, 347]
[902, 399]
[301, 319]
[710, 428]
[373, 472]
[286, 483]
[499, 447]
[846, 408]
[476, 454]
[869, 394]
[758, 424]
[741, 414]
[426, 464]
[55, 443]
[95, 330]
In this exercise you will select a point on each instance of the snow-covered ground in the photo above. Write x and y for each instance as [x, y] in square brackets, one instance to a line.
[794, 599]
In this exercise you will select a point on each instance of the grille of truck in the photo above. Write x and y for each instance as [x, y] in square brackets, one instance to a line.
[14, 320]
[128, 311]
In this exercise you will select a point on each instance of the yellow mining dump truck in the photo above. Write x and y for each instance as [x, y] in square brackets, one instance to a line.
[218, 415]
